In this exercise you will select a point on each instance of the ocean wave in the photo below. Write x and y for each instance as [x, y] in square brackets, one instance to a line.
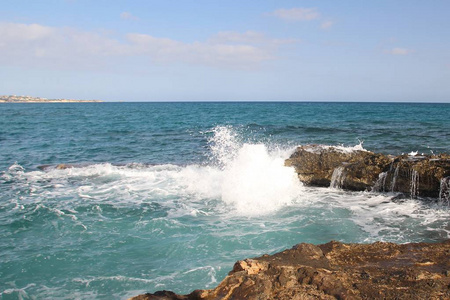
[240, 179]
[114, 229]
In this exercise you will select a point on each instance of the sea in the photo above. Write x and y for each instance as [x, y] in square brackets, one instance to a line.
[111, 200]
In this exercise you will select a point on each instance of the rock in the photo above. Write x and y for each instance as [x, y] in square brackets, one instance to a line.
[364, 170]
[63, 166]
[161, 295]
[336, 271]
[56, 167]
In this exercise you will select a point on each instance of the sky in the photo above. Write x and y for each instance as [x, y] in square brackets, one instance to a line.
[226, 50]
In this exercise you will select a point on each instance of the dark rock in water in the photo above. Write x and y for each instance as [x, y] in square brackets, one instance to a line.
[336, 271]
[57, 167]
[161, 295]
[315, 166]
[361, 170]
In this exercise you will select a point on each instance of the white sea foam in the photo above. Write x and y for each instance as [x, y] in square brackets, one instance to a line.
[244, 203]
[340, 148]
[249, 178]
[20, 293]
[246, 178]
[210, 269]
[385, 219]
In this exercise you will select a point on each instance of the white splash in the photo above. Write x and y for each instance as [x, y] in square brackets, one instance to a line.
[224, 145]
[253, 180]
[256, 182]
[248, 179]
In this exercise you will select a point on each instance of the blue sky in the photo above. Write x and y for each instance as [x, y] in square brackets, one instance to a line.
[148, 50]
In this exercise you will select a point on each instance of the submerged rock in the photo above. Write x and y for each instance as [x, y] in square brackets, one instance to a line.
[58, 167]
[336, 271]
[361, 170]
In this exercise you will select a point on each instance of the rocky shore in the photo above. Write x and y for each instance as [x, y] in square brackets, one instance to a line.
[412, 175]
[348, 271]
[335, 271]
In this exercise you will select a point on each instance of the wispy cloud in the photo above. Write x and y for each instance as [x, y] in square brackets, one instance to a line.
[252, 37]
[128, 16]
[23, 32]
[206, 53]
[399, 51]
[326, 24]
[38, 45]
[301, 14]
[297, 14]
[248, 37]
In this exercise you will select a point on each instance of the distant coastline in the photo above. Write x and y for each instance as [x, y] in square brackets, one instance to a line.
[30, 99]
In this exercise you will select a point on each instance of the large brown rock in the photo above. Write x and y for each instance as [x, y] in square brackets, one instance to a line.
[359, 170]
[336, 271]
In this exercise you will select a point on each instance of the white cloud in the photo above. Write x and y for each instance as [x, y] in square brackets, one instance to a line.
[302, 14]
[237, 37]
[399, 51]
[297, 14]
[207, 53]
[23, 32]
[248, 37]
[326, 24]
[38, 45]
[128, 16]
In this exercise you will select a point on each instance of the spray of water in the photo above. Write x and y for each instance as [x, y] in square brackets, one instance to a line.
[224, 145]
[253, 179]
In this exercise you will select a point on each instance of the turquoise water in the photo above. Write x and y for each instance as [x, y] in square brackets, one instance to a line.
[170, 195]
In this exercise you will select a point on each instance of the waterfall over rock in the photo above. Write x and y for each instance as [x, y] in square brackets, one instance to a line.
[414, 190]
[360, 170]
[444, 191]
[380, 185]
[337, 178]
[394, 178]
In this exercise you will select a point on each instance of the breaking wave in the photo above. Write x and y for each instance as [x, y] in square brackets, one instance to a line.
[249, 178]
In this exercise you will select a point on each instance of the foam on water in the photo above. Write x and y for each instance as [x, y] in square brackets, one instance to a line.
[340, 148]
[185, 225]
[249, 178]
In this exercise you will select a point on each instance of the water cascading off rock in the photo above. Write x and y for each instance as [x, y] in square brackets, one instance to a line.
[363, 170]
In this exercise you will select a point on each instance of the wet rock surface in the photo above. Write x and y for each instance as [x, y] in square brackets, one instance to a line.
[412, 175]
[336, 271]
